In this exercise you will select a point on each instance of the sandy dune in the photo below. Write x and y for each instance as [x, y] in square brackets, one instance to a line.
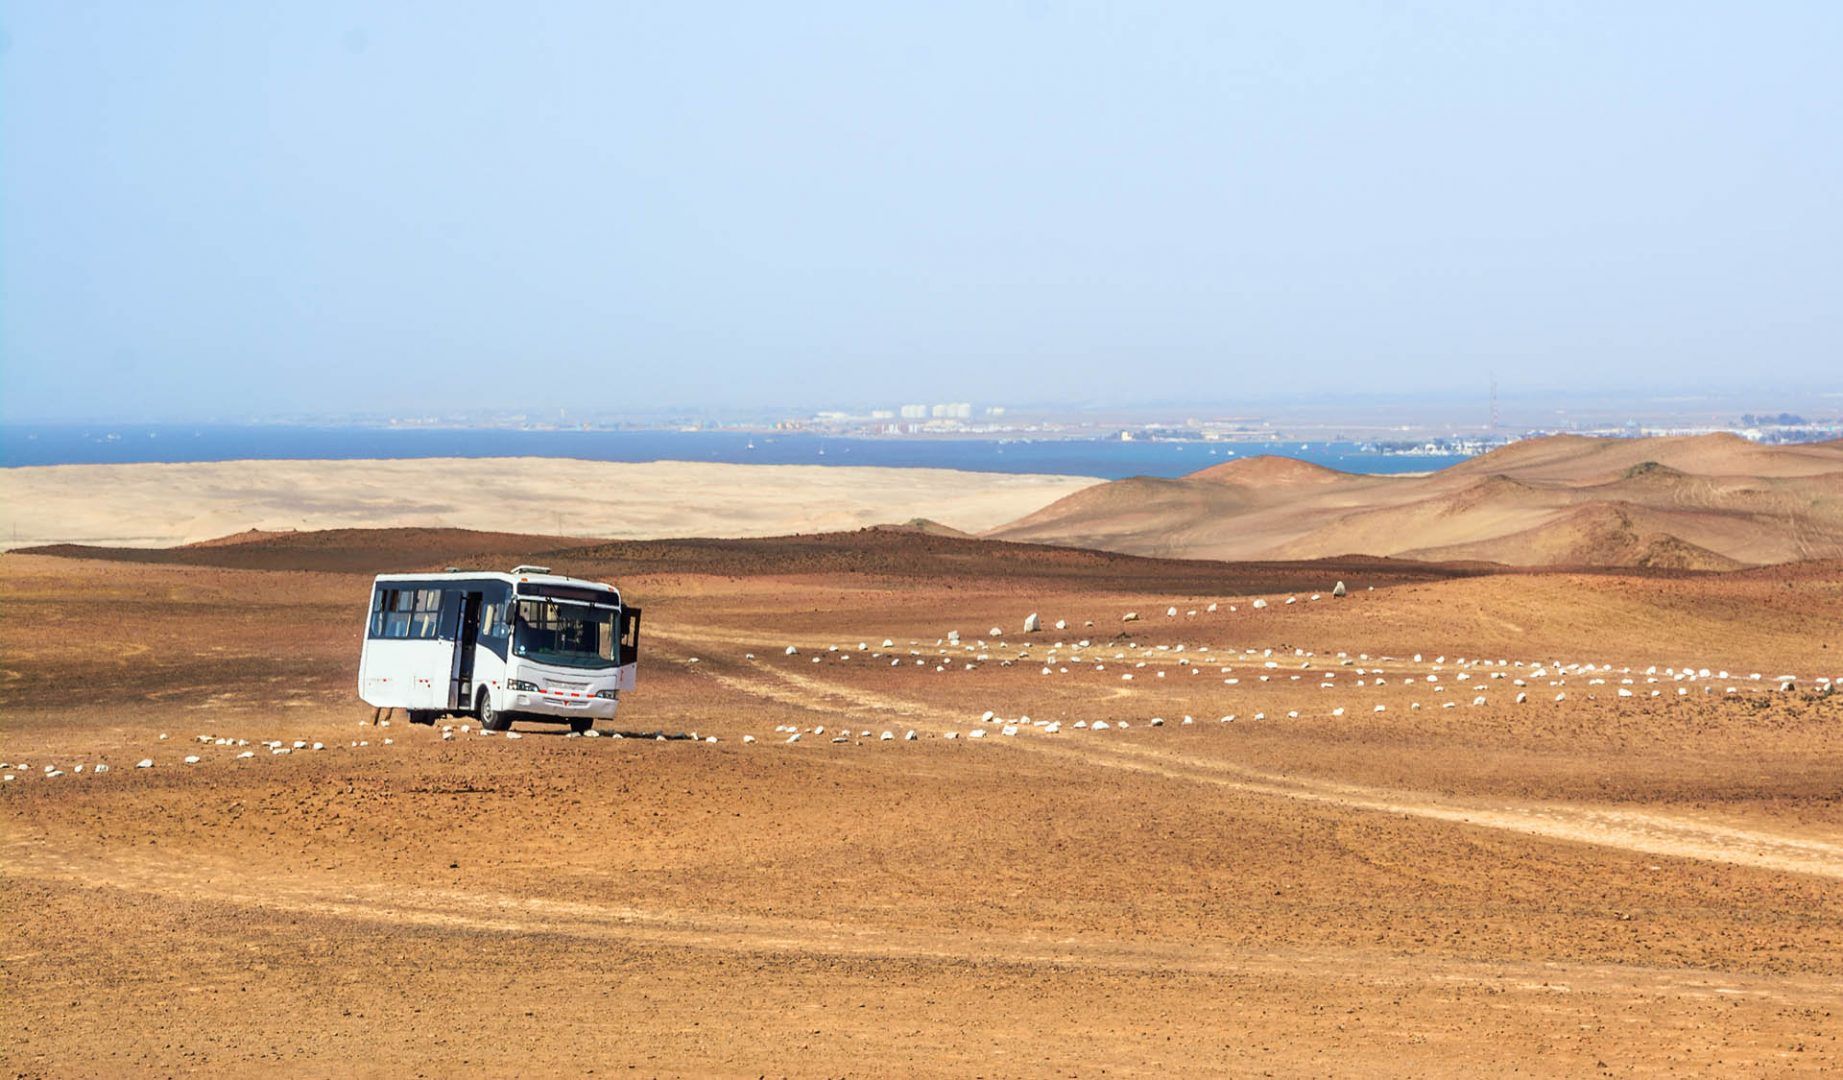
[1710, 502]
[163, 504]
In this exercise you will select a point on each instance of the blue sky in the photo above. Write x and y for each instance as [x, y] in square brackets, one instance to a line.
[220, 210]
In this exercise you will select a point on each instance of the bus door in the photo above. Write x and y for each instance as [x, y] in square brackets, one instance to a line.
[465, 618]
[628, 645]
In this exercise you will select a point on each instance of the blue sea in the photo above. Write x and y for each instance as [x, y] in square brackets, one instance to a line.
[1107, 458]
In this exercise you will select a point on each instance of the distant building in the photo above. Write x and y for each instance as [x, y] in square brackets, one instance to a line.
[883, 414]
[915, 412]
[995, 411]
[953, 411]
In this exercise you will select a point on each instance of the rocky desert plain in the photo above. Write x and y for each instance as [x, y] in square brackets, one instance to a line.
[1110, 783]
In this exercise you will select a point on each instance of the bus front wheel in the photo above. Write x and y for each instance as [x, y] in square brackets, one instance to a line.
[490, 718]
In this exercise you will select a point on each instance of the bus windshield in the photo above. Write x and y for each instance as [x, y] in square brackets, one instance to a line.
[573, 635]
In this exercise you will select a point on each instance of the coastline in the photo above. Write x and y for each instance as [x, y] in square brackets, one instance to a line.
[1022, 452]
[165, 504]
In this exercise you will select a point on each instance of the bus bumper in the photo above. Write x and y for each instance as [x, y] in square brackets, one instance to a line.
[541, 706]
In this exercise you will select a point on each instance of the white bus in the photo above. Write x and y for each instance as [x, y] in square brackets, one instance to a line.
[527, 645]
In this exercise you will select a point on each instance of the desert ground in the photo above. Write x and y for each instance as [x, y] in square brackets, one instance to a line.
[1463, 820]
[161, 504]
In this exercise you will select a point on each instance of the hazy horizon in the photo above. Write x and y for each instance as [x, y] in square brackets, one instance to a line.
[1463, 407]
[249, 211]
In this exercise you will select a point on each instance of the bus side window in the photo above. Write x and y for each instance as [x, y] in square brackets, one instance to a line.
[379, 597]
[397, 613]
[493, 620]
[428, 613]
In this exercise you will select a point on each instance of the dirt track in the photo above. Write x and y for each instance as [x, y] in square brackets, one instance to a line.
[1602, 883]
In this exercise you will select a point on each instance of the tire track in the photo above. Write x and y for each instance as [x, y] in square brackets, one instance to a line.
[1641, 831]
[461, 911]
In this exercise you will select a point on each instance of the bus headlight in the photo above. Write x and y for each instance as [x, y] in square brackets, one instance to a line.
[606, 695]
[520, 684]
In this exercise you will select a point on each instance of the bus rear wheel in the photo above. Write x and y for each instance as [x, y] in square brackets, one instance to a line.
[581, 724]
[490, 718]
